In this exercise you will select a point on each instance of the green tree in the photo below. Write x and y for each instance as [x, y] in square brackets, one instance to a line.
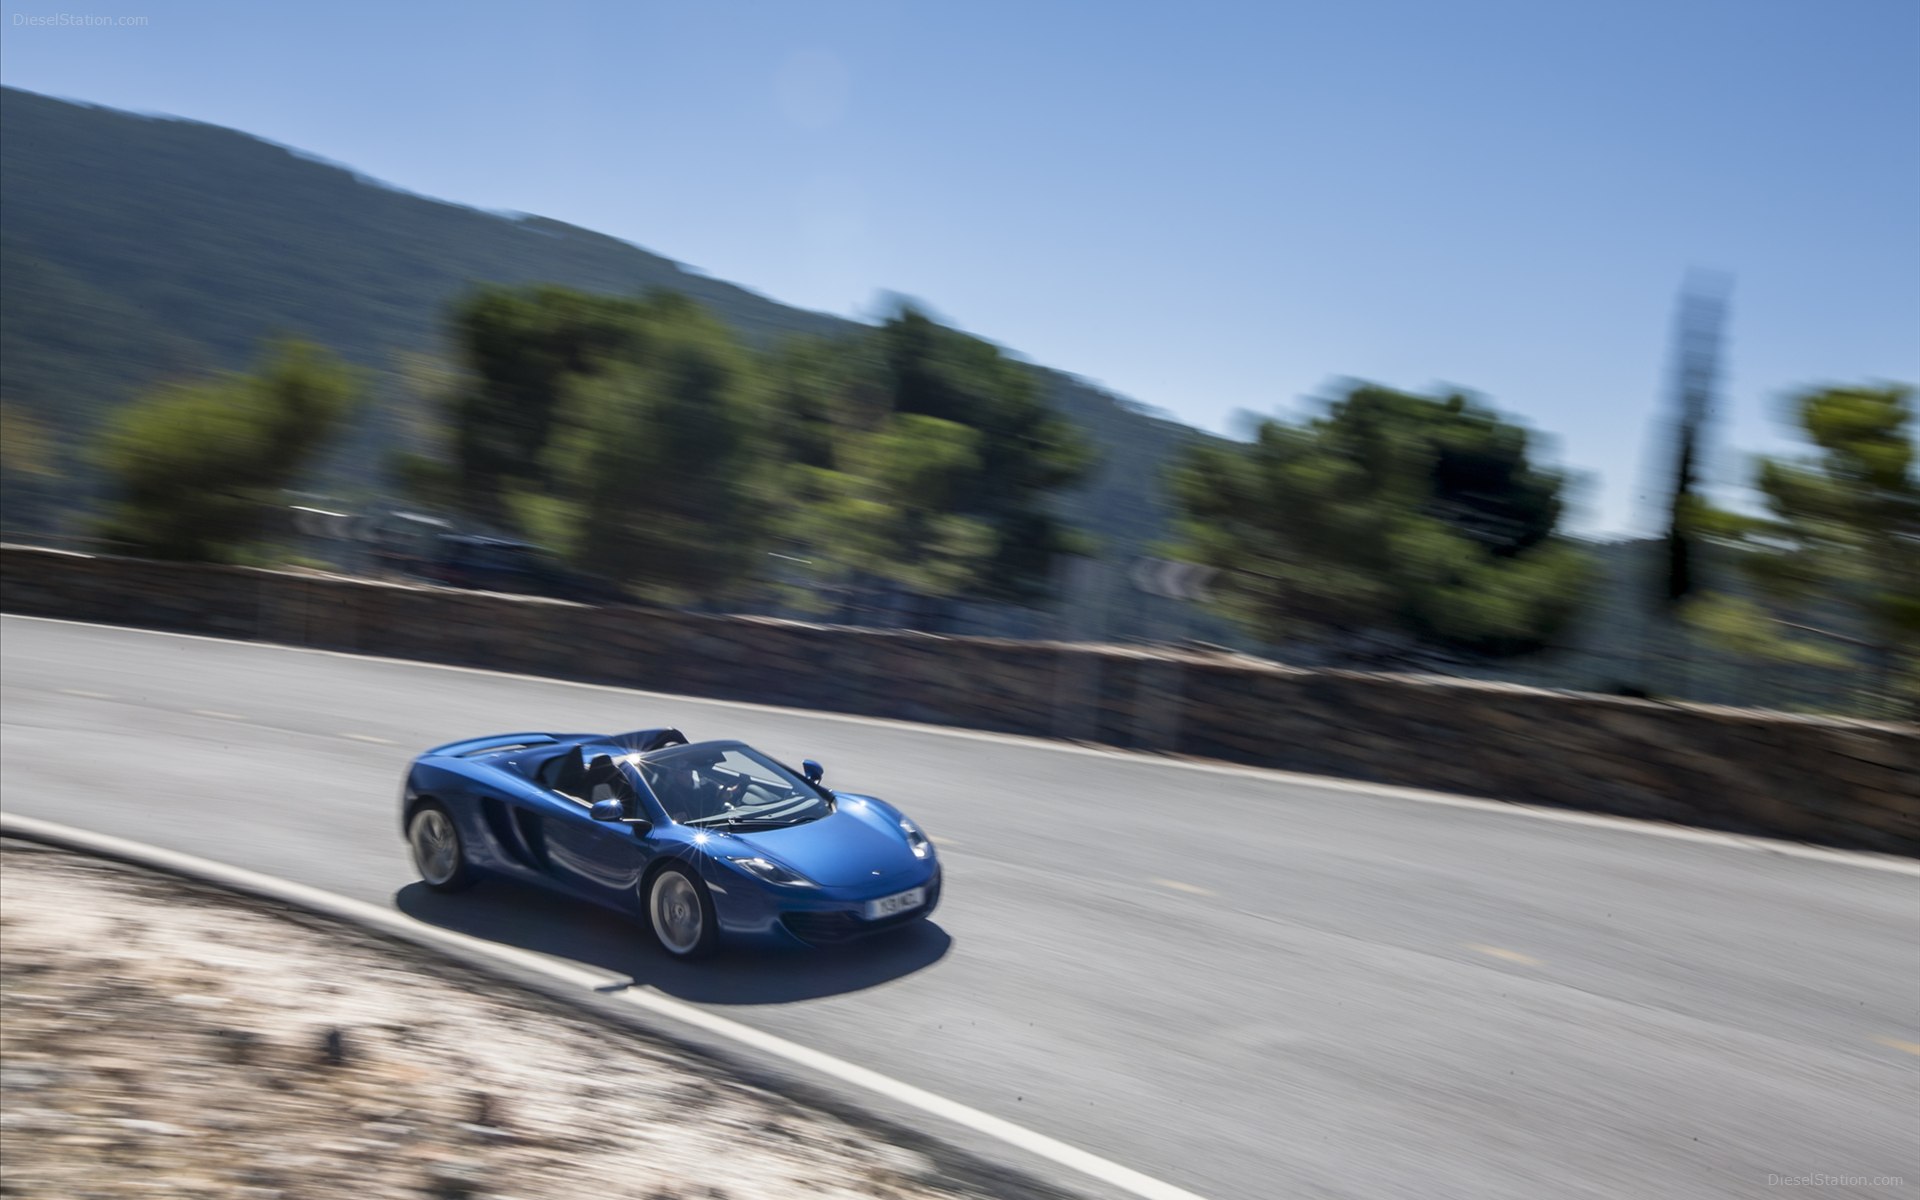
[198, 467]
[1026, 452]
[1841, 532]
[889, 513]
[523, 348]
[655, 474]
[928, 460]
[1697, 345]
[1422, 518]
[818, 391]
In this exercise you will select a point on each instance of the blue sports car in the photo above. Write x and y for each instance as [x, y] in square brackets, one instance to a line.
[703, 839]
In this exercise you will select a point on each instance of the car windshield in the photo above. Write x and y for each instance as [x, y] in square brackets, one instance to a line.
[727, 783]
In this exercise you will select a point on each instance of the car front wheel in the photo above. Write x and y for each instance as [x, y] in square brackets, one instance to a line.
[437, 852]
[681, 913]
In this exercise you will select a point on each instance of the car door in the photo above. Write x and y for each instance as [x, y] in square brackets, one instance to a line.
[599, 859]
[523, 809]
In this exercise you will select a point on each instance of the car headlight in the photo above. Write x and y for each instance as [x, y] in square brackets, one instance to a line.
[917, 840]
[772, 872]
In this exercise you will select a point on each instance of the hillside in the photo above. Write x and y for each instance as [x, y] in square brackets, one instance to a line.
[136, 248]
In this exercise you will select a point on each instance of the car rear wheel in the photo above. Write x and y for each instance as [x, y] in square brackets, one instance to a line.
[681, 913]
[437, 852]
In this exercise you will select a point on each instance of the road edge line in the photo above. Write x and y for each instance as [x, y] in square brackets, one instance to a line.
[575, 988]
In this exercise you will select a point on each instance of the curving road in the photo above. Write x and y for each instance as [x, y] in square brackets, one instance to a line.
[1245, 984]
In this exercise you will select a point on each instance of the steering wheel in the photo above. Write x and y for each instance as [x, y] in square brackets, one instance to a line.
[731, 795]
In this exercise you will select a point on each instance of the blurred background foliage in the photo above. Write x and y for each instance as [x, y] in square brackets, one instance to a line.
[1391, 514]
[642, 441]
[167, 288]
[200, 468]
[926, 459]
[648, 473]
[1840, 537]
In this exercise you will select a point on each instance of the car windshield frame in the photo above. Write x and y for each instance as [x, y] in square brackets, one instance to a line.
[693, 784]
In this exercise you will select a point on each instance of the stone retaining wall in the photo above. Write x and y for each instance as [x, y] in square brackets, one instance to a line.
[1830, 780]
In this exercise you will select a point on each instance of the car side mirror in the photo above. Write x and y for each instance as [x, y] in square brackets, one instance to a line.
[812, 770]
[614, 812]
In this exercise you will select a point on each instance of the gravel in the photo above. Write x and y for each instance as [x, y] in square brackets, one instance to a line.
[162, 1039]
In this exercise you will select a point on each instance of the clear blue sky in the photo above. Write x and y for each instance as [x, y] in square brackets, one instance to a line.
[1210, 208]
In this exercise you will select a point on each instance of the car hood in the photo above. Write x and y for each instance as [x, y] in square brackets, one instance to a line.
[859, 842]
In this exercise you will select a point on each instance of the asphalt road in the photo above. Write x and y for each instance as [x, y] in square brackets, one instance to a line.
[1247, 985]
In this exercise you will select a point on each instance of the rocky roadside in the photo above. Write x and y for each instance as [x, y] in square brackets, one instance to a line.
[162, 1039]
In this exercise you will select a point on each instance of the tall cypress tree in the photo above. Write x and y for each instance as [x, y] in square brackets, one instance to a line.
[1697, 339]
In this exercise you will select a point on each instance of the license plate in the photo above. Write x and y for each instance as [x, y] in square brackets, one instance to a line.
[887, 906]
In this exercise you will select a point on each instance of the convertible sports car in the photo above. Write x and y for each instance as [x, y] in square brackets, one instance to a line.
[702, 839]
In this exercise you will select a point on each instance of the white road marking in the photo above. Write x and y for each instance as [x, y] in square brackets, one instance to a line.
[1855, 858]
[367, 737]
[1512, 956]
[389, 921]
[1177, 886]
[214, 712]
[85, 694]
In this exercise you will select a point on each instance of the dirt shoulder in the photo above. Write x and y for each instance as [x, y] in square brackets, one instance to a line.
[161, 1038]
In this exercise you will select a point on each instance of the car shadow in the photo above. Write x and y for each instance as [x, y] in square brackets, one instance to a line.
[518, 914]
